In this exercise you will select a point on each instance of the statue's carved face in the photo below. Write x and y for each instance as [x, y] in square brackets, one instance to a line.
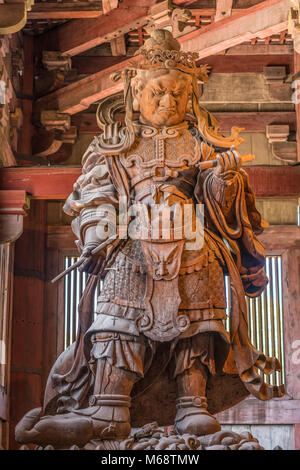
[162, 96]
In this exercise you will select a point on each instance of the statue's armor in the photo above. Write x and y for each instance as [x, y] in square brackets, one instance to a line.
[158, 288]
[157, 156]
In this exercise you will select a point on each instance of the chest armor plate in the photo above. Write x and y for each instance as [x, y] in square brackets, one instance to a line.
[161, 153]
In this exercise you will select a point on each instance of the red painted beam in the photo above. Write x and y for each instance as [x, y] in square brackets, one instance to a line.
[13, 202]
[280, 181]
[57, 182]
[41, 182]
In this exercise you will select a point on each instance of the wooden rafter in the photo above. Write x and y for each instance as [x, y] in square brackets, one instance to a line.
[77, 36]
[80, 95]
[71, 10]
[260, 20]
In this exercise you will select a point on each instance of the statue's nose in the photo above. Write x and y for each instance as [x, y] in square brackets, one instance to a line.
[167, 101]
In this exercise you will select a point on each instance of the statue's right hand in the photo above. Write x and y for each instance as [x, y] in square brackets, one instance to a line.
[91, 263]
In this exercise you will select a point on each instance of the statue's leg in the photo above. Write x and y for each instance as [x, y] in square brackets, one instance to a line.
[192, 416]
[118, 360]
[111, 399]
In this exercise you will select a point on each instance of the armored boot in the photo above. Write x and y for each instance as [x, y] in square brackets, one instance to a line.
[110, 402]
[192, 416]
[107, 417]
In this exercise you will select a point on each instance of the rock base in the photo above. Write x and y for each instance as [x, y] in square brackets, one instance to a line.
[153, 437]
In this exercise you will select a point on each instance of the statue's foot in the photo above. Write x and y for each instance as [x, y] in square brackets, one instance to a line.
[109, 422]
[193, 418]
[74, 428]
[24, 431]
[60, 430]
[198, 424]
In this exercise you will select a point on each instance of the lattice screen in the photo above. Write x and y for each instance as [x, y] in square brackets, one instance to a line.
[265, 313]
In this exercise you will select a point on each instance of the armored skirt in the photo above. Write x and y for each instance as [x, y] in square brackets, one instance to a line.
[116, 333]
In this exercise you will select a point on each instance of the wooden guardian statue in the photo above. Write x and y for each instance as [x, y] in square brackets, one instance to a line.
[162, 306]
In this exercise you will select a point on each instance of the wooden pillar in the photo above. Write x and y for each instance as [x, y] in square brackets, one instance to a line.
[28, 318]
[291, 306]
[13, 207]
[297, 97]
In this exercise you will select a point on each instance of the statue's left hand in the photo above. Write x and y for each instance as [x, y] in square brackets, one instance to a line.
[92, 263]
[227, 161]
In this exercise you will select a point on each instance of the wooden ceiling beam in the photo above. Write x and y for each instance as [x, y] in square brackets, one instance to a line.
[80, 95]
[260, 49]
[77, 36]
[71, 10]
[57, 182]
[262, 20]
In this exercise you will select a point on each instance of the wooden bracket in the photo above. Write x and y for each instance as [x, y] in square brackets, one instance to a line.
[166, 14]
[282, 149]
[54, 142]
[277, 133]
[275, 74]
[54, 60]
[276, 79]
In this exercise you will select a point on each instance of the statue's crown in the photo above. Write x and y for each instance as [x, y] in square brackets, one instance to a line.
[162, 50]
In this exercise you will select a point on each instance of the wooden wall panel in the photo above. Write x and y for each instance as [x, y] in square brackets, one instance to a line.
[28, 318]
